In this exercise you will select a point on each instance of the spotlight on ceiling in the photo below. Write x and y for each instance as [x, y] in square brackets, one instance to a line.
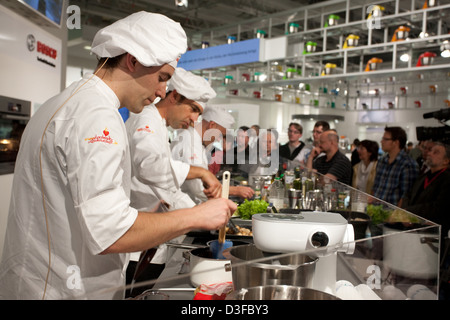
[181, 3]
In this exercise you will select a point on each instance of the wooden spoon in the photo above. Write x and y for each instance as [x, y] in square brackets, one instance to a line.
[225, 193]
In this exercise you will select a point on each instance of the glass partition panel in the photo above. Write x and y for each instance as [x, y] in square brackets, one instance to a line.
[381, 252]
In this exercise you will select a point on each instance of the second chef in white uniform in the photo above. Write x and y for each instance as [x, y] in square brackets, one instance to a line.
[156, 177]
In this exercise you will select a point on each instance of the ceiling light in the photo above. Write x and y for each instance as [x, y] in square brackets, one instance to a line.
[404, 57]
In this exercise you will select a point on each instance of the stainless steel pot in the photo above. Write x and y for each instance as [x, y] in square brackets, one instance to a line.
[292, 269]
[279, 292]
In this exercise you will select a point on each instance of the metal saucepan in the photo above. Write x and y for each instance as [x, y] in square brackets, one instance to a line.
[279, 292]
[294, 269]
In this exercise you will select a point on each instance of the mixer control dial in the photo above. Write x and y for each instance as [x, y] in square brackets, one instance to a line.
[319, 239]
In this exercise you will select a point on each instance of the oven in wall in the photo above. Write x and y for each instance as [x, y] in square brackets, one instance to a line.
[14, 116]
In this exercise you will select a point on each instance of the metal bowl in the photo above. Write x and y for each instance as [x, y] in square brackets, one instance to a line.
[279, 292]
[271, 269]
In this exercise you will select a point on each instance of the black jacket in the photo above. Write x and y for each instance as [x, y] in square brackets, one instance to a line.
[285, 152]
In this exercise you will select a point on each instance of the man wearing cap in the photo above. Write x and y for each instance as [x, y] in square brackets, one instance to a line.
[194, 146]
[71, 226]
[156, 177]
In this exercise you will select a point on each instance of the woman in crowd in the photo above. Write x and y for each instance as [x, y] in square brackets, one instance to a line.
[364, 171]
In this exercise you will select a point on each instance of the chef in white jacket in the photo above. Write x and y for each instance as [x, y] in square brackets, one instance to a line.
[156, 178]
[194, 146]
[70, 225]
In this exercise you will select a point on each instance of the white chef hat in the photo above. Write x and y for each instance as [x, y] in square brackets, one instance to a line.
[219, 115]
[191, 86]
[152, 38]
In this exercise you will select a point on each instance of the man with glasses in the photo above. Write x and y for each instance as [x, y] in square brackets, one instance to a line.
[319, 128]
[396, 171]
[293, 147]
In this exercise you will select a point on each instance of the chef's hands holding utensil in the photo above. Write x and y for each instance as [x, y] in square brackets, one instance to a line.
[215, 213]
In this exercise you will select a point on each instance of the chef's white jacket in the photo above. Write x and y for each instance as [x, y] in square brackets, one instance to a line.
[188, 147]
[155, 175]
[86, 179]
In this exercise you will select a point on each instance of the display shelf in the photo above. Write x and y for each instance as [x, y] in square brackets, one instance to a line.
[350, 63]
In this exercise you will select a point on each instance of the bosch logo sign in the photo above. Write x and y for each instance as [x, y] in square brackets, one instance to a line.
[44, 50]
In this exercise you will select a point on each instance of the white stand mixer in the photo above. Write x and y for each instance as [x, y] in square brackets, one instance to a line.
[317, 234]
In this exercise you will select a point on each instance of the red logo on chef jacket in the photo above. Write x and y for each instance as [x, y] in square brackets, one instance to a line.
[104, 138]
[145, 129]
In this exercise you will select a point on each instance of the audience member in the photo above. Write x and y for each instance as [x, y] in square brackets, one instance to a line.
[355, 154]
[268, 153]
[416, 152]
[253, 136]
[364, 171]
[293, 147]
[422, 161]
[334, 164]
[396, 171]
[244, 156]
[319, 128]
[428, 195]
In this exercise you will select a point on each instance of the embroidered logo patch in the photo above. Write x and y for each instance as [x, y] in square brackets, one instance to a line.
[145, 129]
[105, 138]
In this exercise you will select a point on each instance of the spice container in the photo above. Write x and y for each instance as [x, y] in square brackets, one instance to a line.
[351, 41]
[228, 79]
[231, 39]
[332, 20]
[260, 34]
[293, 27]
[310, 47]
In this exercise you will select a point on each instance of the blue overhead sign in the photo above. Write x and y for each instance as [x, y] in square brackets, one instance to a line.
[220, 56]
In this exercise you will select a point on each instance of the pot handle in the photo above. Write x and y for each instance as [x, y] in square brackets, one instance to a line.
[227, 267]
[430, 241]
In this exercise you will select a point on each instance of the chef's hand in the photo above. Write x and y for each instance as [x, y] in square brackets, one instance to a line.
[215, 213]
[242, 192]
[213, 187]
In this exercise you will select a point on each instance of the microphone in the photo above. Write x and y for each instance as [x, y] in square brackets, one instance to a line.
[443, 114]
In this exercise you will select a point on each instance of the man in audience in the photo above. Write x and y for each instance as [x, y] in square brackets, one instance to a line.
[319, 128]
[334, 164]
[429, 193]
[293, 147]
[396, 171]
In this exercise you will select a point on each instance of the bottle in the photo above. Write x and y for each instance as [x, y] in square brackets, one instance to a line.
[265, 194]
[276, 193]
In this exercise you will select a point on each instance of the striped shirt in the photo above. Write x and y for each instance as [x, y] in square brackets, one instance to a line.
[392, 181]
[339, 166]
